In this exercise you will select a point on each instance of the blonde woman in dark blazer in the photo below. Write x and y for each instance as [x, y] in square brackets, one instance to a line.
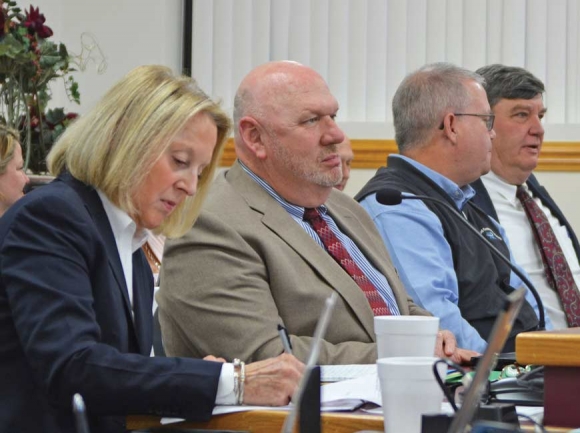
[76, 290]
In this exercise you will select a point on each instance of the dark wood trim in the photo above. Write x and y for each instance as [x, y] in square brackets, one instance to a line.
[556, 155]
[187, 41]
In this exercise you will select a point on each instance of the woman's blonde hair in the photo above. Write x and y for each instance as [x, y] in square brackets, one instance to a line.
[8, 142]
[115, 145]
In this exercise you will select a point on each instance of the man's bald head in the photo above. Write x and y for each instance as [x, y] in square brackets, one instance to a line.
[266, 88]
[285, 131]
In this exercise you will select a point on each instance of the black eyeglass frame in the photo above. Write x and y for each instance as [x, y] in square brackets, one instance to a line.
[488, 123]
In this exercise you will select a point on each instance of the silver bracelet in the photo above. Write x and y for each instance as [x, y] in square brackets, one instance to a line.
[239, 378]
[242, 382]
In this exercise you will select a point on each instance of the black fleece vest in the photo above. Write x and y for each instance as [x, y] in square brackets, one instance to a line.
[482, 278]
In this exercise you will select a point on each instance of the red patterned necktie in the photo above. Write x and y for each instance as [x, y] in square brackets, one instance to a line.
[339, 253]
[556, 266]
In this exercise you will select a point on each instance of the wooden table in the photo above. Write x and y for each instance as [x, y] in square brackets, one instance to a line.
[559, 352]
[556, 349]
[262, 421]
[265, 421]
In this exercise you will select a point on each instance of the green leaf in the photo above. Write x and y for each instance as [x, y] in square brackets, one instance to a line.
[55, 115]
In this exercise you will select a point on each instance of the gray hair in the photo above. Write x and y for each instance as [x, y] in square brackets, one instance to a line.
[424, 97]
[509, 82]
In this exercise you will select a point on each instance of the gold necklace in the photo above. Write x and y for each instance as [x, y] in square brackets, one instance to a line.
[151, 258]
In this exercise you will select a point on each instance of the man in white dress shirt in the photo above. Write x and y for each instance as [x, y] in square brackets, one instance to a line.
[516, 99]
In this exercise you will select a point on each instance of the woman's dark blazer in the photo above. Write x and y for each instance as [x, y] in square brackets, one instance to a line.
[66, 324]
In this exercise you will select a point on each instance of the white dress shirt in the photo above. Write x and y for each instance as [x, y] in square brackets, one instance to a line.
[129, 240]
[526, 250]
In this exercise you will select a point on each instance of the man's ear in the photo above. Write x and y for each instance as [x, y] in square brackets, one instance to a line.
[449, 127]
[252, 134]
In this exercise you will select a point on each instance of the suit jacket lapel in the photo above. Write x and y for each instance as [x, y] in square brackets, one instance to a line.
[95, 208]
[279, 222]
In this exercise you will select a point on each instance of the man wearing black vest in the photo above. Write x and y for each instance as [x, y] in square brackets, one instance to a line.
[444, 128]
[516, 98]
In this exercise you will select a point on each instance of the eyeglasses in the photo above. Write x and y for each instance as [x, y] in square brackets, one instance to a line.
[488, 118]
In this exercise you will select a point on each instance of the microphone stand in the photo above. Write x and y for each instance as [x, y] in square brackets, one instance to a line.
[389, 195]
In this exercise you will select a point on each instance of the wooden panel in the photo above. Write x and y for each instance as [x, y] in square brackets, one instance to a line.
[271, 421]
[555, 348]
[556, 156]
[266, 422]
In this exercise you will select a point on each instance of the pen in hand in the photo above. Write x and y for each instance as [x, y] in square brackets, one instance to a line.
[285, 339]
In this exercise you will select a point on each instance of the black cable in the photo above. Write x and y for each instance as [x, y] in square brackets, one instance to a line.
[441, 383]
[536, 423]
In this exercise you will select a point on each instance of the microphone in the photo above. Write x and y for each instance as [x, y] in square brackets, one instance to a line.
[389, 197]
[80, 414]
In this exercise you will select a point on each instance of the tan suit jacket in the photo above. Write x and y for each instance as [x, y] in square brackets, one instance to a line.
[247, 266]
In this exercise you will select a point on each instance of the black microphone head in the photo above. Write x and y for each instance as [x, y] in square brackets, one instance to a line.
[389, 197]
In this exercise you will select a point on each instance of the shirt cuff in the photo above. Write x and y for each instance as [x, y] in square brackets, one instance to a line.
[225, 392]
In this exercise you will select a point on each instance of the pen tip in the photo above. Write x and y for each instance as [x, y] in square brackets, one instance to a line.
[280, 327]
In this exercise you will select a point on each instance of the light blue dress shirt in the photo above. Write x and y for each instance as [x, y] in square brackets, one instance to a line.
[414, 236]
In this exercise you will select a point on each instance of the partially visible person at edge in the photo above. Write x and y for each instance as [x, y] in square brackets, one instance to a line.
[444, 132]
[76, 290]
[267, 221]
[13, 179]
[516, 99]
[346, 156]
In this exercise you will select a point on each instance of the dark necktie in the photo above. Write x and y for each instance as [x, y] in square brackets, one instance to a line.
[339, 253]
[556, 267]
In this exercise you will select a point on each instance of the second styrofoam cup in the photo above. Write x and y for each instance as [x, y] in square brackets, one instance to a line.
[406, 335]
[409, 390]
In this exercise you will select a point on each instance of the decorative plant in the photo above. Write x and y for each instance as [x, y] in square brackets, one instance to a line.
[28, 64]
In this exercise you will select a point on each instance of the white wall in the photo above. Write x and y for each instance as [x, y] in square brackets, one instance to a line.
[364, 48]
[136, 32]
[129, 32]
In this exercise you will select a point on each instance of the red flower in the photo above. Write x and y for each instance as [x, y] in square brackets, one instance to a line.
[35, 23]
[3, 24]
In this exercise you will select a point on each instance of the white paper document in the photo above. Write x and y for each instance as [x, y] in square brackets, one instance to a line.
[337, 373]
[366, 388]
